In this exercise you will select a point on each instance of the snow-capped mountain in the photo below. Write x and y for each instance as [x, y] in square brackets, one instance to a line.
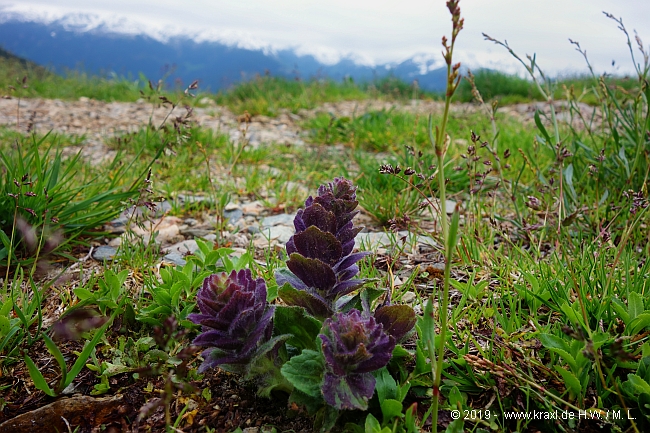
[114, 47]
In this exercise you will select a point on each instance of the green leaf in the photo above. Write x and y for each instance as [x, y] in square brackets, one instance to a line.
[455, 398]
[5, 326]
[635, 305]
[85, 353]
[541, 127]
[372, 425]
[6, 308]
[346, 303]
[83, 294]
[301, 298]
[37, 377]
[101, 388]
[638, 383]
[568, 176]
[385, 385]
[175, 293]
[642, 321]
[390, 409]
[410, 419]
[305, 372]
[570, 380]
[212, 257]
[567, 357]
[457, 426]
[54, 350]
[203, 246]
[570, 313]
[302, 400]
[552, 341]
[621, 310]
[303, 328]
[325, 419]
[453, 235]
[621, 155]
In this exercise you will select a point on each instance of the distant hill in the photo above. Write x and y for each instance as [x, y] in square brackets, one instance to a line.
[182, 60]
[12, 61]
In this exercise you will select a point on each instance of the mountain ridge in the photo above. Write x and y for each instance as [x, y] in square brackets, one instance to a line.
[181, 60]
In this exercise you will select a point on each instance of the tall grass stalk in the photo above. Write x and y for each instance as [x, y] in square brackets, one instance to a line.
[441, 143]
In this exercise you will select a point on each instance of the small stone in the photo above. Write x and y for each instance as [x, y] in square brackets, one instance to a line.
[231, 206]
[297, 187]
[188, 198]
[206, 101]
[104, 253]
[168, 235]
[238, 240]
[253, 208]
[408, 297]
[233, 216]
[427, 240]
[197, 233]
[253, 229]
[372, 240]
[162, 208]
[69, 390]
[184, 247]
[210, 238]
[190, 221]
[273, 235]
[174, 259]
[281, 219]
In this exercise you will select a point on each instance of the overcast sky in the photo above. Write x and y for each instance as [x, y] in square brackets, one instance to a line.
[378, 31]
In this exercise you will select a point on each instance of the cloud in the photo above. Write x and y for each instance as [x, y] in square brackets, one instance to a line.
[370, 32]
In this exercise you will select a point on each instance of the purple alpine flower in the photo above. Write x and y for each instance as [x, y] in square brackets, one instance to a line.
[235, 318]
[320, 252]
[353, 347]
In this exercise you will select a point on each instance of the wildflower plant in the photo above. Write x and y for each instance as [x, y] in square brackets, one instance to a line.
[319, 347]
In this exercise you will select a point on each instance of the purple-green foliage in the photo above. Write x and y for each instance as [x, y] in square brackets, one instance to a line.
[321, 263]
[235, 318]
[353, 347]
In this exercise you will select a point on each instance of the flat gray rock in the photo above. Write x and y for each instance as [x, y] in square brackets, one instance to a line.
[175, 259]
[273, 235]
[383, 240]
[274, 220]
[233, 216]
[197, 233]
[184, 247]
[103, 253]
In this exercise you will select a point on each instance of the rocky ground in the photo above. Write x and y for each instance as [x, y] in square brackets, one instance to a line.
[249, 222]
[95, 121]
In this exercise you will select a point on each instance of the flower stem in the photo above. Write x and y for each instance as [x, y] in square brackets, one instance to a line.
[441, 144]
